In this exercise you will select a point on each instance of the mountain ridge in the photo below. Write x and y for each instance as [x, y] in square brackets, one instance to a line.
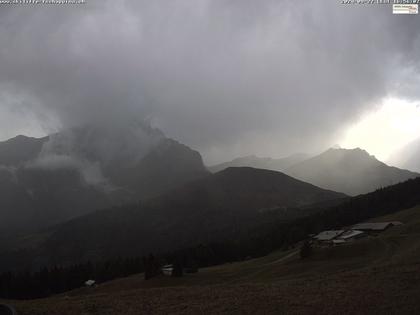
[280, 164]
[219, 206]
[70, 173]
[352, 171]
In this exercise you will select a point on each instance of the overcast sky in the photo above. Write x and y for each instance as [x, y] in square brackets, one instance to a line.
[226, 77]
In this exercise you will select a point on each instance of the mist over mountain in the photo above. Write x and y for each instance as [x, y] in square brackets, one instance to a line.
[70, 173]
[351, 171]
[408, 157]
[135, 157]
[33, 196]
[119, 121]
[268, 163]
[217, 207]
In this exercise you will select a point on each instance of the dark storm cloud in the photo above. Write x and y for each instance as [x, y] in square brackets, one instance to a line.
[226, 77]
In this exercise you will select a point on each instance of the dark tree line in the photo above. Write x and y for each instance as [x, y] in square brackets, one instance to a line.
[254, 242]
[47, 281]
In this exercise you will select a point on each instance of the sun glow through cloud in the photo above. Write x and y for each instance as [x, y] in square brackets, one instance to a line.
[382, 132]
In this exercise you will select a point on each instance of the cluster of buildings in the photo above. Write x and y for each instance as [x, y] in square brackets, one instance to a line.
[337, 237]
[170, 270]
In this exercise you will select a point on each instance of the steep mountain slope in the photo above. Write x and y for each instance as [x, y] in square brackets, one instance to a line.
[137, 158]
[20, 149]
[168, 165]
[220, 206]
[31, 196]
[31, 199]
[52, 179]
[279, 165]
[352, 172]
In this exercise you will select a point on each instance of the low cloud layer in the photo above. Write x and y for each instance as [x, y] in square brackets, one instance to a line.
[93, 150]
[226, 77]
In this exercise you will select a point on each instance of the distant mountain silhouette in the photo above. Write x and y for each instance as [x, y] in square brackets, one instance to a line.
[216, 207]
[267, 163]
[352, 171]
[70, 173]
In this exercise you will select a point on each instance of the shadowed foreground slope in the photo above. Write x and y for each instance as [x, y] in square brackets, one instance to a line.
[378, 275]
